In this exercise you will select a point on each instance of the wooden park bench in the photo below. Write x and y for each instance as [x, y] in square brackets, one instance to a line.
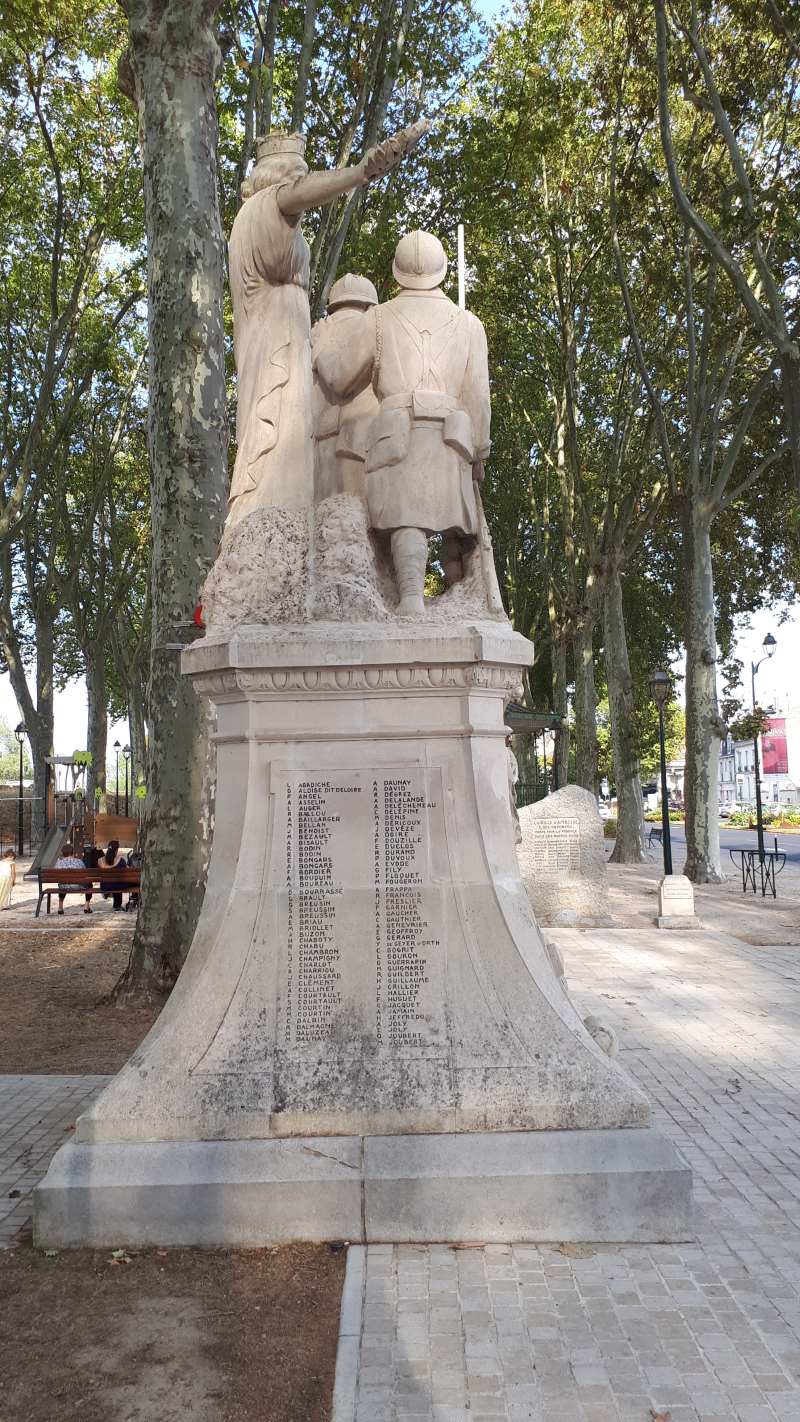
[54, 881]
[657, 834]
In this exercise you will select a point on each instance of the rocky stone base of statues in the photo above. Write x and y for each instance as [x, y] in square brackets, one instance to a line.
[327, 564]
[370, 1039]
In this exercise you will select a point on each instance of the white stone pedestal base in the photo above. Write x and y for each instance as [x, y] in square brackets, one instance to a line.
[676, 903]
[369, 1038]
[498, 1187]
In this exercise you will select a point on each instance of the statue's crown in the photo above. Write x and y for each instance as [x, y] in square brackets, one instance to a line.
[279, 141]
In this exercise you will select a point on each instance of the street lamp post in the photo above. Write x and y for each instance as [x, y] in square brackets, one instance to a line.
[117, 748]
[19, 732]
[769, 644]
[126, 755]
[660, 687]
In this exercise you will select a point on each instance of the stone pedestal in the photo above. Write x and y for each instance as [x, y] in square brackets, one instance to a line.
[676, 903]
[368, 1025]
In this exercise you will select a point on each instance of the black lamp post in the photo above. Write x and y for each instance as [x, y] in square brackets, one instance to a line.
[126, 755]
[769, 644]
[19, 732]
[117, 748]
[660, 688]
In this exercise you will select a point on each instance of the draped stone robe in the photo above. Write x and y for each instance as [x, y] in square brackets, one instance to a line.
[269, 271]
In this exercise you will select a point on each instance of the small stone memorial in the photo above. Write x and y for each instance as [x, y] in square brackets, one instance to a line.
[369, 1039]
[676, 903]
[562, 859]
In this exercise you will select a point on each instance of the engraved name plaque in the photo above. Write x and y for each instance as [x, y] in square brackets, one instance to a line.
[556, 846]
[361, 912]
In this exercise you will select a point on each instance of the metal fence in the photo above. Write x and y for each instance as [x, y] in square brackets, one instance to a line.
[9, 820]
[529, 791]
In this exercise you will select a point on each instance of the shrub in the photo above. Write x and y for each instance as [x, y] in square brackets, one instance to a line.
[610, 828]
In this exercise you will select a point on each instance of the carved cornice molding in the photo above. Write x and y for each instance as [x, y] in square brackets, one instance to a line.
[276, 681]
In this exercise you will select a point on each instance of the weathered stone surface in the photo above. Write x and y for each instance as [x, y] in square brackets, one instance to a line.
[562, 858]
[261, 572]
[497, 1187]
[426, 360]
[352, 582]
[367, 960]
[676, 902]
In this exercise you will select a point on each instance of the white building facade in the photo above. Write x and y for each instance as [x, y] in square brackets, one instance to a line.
[779, 764]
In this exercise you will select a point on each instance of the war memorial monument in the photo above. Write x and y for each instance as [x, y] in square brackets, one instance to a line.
[370, 1039]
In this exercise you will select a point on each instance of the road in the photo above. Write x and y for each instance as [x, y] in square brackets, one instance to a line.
[740, 839]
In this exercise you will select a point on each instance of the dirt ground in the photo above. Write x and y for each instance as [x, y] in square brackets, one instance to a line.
[169, 1335]
[51, 981]
[762, 922]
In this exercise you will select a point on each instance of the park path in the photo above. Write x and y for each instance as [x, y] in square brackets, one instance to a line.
[707, 1331]
[37, 1114]
[701, 1332]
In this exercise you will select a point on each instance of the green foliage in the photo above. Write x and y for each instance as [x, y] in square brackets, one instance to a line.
[772, 817]
[646, 716]
[9, 756]
[527, 119]
[750, 726]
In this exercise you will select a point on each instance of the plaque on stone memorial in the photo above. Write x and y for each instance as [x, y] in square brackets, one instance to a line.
[562, 858]
[360, 912]
[558, 850]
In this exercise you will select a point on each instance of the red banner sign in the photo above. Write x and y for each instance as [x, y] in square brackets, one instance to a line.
[774, 754]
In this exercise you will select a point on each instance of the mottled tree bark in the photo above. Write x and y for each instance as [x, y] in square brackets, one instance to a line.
[96, 725]
[560, 705]
[137, 768]
[704, 729]
[171, 66]
[629, 847]
[304, 66]
[36, 712]
[585, 707]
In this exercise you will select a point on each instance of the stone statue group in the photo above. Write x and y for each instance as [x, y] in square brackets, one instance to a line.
[384, 401]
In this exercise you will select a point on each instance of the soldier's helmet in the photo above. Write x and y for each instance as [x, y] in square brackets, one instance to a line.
[352, 290]
[419, 261]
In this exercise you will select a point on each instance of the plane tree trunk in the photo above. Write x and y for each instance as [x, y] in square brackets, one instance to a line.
[630, 846]
[170, 69]
[704, 729]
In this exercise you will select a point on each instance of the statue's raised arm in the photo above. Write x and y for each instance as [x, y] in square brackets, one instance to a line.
[317, 189]
[269, 273]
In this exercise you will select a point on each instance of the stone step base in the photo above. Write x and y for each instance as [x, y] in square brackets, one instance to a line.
[622, 1185]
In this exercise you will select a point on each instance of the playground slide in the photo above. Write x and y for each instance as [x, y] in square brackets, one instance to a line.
[50, 849]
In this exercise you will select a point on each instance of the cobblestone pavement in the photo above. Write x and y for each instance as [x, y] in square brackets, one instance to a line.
[701, 1332]
[36, 1116]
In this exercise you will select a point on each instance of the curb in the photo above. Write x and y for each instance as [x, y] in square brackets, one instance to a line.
[348, 1352]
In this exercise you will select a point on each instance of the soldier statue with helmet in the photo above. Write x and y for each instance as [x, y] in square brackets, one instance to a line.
[341, 425]
[427, 363]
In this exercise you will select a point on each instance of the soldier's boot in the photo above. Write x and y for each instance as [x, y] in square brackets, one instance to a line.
[410, 558]
[452, 559]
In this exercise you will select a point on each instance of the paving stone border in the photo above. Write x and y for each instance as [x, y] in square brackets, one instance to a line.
[707, 1331]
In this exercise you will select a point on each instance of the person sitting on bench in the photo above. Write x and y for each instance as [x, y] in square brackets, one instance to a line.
[71, 861]
[113, 859]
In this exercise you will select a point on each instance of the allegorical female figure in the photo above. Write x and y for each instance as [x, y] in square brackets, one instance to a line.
[269, 271]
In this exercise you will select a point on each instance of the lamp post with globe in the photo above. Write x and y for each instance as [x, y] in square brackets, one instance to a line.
[660, 688]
